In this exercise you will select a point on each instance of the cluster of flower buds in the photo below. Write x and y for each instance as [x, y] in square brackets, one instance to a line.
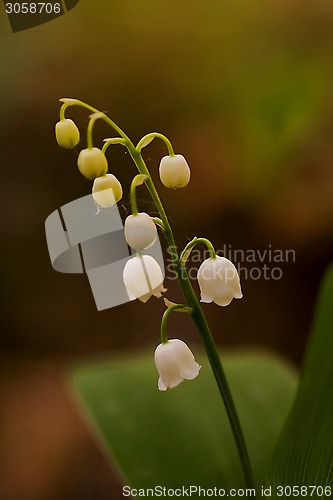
[91, 162]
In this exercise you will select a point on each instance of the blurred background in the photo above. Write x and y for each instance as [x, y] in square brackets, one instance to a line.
[244, 92]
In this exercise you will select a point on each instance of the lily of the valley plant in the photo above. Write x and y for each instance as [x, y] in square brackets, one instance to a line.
[217, 276]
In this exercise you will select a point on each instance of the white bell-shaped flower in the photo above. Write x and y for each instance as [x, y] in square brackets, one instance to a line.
[107, 190]
[92, 163]
[143, 278]
[67, 133]
[140, 231]
[219, 281]
[174, 171]
[174, 362]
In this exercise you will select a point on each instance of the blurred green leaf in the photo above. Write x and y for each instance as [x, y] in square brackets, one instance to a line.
[182, 437]
[304, 453]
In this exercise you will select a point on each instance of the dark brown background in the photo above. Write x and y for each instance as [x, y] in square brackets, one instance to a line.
[244, 91]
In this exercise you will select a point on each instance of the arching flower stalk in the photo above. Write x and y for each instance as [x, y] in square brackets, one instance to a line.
[142, 274]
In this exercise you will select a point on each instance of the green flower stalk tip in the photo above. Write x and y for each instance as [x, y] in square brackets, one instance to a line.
[112, 140]
[96, 115]
[68, 100]
[145, 141]
[158, 222]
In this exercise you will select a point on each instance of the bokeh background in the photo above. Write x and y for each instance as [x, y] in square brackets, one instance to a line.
[244, 91]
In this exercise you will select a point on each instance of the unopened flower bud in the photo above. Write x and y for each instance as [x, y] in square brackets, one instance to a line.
[67, 133]
[92, 163]
[174, 362]
[219, 281]
[174, 171]
[107, 190]
[140, 231]
[143, 278]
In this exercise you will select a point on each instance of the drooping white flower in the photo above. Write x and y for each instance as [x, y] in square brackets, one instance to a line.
[219, 281]
[67, 133]
[92, 163]
[140, 231]
[143, 278]
[174, 362]
[174, 171]
[107, 190]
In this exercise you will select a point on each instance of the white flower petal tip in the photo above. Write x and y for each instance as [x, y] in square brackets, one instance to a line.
[67, 133]
[175, 363]
[92, 163]
[219, 281]
[107, 190]
[140, 231]
[174, 171]
[205, 300]
[143, 278]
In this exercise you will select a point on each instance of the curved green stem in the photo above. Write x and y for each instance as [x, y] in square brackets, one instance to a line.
[149, 137]
[95, 116]
[77, 102]
[196, 241]
[164, 337]
[66, 103]
[137, 181]
[112, 140]
[62, 111]
[90, 127]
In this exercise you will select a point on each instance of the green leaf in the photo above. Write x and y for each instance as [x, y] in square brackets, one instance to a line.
[304, 453]
[182, 436]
